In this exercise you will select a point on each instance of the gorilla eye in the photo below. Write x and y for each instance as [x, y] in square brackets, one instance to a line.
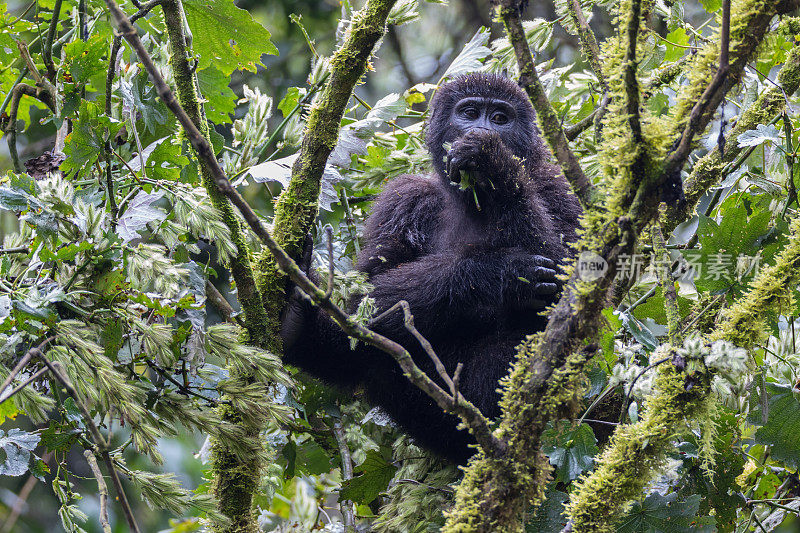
[470, 112]
[500, 118]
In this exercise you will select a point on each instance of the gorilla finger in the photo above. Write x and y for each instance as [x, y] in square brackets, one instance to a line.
[542, 273]
[545, 289]
[543, 261]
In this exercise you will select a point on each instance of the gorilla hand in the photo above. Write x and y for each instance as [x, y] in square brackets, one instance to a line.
[484, 152]
[531, 282]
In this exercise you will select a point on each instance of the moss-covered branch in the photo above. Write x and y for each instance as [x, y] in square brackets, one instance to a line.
[186, 89]
[636, 451]
[548, 119]
[711, 169]
[745, 323]
[589, 46]
[296, 208]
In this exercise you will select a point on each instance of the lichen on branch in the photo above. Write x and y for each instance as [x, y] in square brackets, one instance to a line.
[296, 208]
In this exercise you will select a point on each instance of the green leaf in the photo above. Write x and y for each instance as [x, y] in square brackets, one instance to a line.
[311, 459]
[571, 452]
[610, 328]
[376, 473]
[140, 95]
[782, 430]
[221, 100]
[18, 446]
[680, 37]
[56, 440]
[549, 516]
[139, 212]
[84, 59]
[165, 161]
[226, 36]
[8, 409]
[640, 332]
[759, 136]
[712, 6]
[290, 101]
[85, 143]
[664, 514]
[471, 57]
[723, 245]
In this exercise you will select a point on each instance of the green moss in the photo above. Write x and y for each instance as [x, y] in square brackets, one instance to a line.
[635, 452]
[745, 322]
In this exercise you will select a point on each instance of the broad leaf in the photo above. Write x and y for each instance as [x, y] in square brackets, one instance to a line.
[226, 36]
[376, 473]
[782, 430]
[471, 57]
[221, 100]
[664, 514]
[759, 136]
[17, 446]
[139, 212]
[571, 452]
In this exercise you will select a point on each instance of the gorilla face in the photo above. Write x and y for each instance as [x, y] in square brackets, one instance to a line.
[491, 111]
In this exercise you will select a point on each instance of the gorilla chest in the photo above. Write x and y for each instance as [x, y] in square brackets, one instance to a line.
[461, 230]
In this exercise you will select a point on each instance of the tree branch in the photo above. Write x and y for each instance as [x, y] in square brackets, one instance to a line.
[589, 46]
[102, 490]
[249, 296]
[551, 124]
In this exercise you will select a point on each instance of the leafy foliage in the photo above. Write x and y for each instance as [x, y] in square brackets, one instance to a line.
[117, 258]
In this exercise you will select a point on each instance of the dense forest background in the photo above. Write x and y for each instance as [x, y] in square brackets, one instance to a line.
[137, 363]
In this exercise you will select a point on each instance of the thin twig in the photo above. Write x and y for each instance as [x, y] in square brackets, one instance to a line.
[22, 364]
[24, 384]
[47, 52]
[664, 275]
[102, 490]
[55, 368]
[572, 132]
[15, 250]
[408, 320]
[329, 235]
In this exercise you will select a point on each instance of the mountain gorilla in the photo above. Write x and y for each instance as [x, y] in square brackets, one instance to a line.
[474, 250]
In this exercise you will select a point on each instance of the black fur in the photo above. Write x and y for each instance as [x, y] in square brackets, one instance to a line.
[476, 279]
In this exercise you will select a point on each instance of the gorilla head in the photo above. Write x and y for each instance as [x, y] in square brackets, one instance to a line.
[481, 106]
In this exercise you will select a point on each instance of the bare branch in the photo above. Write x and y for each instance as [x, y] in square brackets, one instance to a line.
[346, 506]
[329, 236]
[102, 490]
